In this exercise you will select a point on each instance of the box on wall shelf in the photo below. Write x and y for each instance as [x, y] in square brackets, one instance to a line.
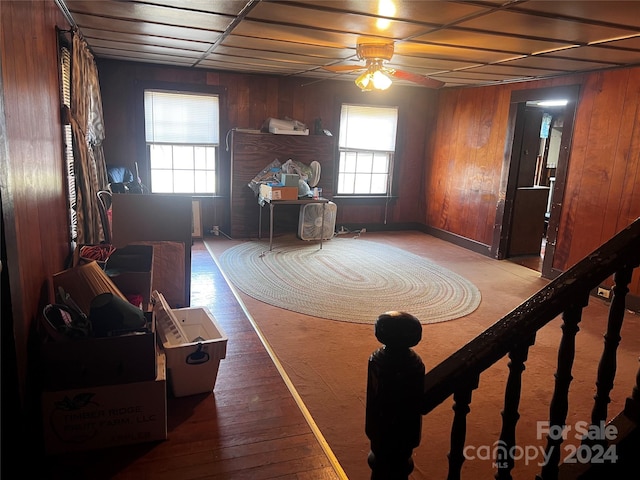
[193, 343]
[107, 416]
[95, 361]
[276, 192]
[131, 270]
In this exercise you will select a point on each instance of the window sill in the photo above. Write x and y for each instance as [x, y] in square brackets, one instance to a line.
[363, 198]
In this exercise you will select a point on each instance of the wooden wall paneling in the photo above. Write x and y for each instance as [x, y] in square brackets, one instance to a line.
[630, 205]
[618, 214]
[436, 177]
[467, 160]
[489, 165]
[410, 148]
[595, 177]
[252, 152]
[35, 216]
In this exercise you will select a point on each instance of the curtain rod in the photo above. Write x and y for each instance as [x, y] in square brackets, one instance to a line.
[67, 14]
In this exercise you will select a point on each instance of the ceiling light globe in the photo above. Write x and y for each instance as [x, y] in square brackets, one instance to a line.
[381, 81]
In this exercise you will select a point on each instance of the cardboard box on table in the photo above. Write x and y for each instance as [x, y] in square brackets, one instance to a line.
[106, 416]
[277, 192]
[193, 343]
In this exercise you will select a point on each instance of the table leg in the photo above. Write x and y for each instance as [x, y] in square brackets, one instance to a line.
[270, 225]
[260, 222]
[322, 225]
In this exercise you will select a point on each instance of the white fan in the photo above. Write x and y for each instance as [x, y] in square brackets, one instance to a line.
[310, 223]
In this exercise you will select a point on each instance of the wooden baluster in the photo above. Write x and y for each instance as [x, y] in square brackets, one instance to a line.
[560, 401]
[394, 390]
[632, 404]
[608, 362]
[510, 415]
[461, 402]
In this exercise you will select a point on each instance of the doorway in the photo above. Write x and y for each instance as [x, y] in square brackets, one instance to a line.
[534, 171]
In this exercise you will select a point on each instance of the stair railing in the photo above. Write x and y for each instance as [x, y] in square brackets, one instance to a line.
[399, 392]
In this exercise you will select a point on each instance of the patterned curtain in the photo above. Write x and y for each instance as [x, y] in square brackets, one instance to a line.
[88, 133]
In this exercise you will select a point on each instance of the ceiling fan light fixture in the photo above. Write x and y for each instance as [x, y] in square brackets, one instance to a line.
[373, 77]
[380, 80]
[364, 81]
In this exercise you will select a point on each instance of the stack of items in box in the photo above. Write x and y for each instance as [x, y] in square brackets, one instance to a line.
[193, 343]
[288, 181]
[104, 378]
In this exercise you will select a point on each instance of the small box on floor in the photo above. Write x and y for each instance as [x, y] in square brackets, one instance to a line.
[193, 343]
[96, 361]
[108, 416]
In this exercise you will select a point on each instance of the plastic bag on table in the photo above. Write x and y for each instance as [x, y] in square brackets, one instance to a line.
[270, 173]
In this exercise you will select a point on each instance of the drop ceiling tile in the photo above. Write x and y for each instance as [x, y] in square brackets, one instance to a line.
[489, 41]
[607, 11]
[135, 11]
[104, 35]
[323, 20]
[275, 56]
[599, 54]
[304, 36]
[542, 27]
[228, 7]
[558, 64]
[144, 28]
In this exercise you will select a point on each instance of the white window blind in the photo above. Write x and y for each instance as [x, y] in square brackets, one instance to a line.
[179, 118]
[368, 128]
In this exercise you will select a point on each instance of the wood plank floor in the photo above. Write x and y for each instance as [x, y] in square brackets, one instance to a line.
[251, 427]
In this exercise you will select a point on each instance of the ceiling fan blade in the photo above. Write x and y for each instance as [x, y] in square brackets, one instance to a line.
[415, 78]
[344, 68]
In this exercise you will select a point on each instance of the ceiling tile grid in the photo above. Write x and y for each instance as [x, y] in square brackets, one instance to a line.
[461, 43]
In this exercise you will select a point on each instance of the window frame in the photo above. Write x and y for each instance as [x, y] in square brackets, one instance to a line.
[142, 151]
[393, 160]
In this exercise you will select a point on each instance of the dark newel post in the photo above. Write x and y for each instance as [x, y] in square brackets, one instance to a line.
[394, 392]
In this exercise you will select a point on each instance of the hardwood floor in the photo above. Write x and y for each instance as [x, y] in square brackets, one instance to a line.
[250, 427]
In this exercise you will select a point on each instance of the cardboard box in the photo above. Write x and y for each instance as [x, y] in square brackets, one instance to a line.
[98, 361]
[194, 344]
[275, 192]
[107, 416]
[131, 270]
[290, 180]
[83, 283]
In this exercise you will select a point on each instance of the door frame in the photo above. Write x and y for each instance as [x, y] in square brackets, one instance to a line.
[508, 180]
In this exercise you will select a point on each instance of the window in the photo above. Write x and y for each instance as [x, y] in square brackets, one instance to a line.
[366, 144]
[182, 135]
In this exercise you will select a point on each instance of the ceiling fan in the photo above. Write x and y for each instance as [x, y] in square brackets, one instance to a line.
[376, 75]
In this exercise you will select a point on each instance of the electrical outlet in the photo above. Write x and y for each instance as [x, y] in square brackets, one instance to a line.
[603, 292]
[216, 230]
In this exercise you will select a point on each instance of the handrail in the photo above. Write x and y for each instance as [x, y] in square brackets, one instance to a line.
[571, 287]
[399, 393]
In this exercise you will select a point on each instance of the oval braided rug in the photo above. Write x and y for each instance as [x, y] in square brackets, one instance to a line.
[350, 280]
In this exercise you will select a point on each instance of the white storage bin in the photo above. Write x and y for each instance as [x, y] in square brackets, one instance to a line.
[193, 344]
